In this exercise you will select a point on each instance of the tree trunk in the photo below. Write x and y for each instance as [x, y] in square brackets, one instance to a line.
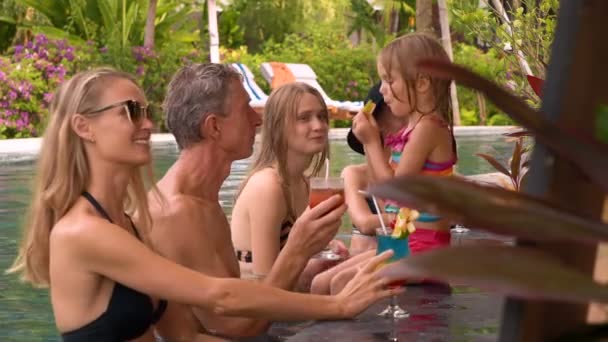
[424, 16]
[483, 113]
[394, 21]
[355, 38]
[214, 40]
[446, 40]
[149, 29]
[502, 14]
[515, 4]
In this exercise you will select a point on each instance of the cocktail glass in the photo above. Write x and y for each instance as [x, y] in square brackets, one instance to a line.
[460, 229]
[401, 249]
[320, 190]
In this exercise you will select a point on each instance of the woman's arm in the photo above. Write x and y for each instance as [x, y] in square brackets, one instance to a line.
[264, 202]
[123, 258]
[309, 234]
[266, 210]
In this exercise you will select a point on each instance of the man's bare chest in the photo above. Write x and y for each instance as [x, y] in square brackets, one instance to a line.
[218, 251]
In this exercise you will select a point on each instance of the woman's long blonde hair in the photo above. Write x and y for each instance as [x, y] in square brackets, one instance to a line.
[280, 113]
[63, 172]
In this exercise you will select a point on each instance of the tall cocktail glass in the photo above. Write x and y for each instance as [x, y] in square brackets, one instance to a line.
[401, 249]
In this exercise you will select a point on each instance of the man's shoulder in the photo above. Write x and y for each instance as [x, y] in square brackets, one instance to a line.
[180, 225]
[178, 211]
[164, 204]
[179, 203]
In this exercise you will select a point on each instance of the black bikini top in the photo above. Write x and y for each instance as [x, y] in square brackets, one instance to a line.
[129, 313]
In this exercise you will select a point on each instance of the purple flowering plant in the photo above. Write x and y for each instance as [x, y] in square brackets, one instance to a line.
[31, 72]
[28, 77]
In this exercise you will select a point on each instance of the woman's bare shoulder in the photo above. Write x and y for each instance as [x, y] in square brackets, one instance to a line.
[266, 180]
[79, 230]
[263, 190]
[78, 220]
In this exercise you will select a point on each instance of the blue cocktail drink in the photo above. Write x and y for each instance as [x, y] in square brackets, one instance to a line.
[400, 247]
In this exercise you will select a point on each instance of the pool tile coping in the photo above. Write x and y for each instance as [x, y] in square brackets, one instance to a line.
[32, 145]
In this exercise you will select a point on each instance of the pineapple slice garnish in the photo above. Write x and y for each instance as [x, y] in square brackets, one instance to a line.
[368, 109]
[404, 225]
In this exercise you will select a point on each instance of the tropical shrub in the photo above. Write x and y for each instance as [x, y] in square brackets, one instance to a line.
[111, 23]
[28, 78]
[473, 106]
[253, 23]
[530, 30]
[8, 22]
[154, 69]
[30, 75]
[518, 165]
[344, 72]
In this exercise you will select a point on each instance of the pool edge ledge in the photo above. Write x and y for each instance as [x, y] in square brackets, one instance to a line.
[32, 145]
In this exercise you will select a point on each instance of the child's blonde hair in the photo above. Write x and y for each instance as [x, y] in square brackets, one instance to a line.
[402, 54]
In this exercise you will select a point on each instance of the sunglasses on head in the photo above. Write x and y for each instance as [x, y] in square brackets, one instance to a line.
[136, 112]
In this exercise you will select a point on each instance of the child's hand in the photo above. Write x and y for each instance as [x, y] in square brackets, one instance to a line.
[366, 130]
[339, 248]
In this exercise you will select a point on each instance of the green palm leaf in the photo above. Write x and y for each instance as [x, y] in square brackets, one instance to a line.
[57, 11]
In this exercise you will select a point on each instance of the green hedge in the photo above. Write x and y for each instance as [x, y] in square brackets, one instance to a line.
[30, 73]
[344, 72]
[489, 65]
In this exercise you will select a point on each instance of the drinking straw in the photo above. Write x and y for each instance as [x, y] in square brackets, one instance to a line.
[378, 212]
[326, 169]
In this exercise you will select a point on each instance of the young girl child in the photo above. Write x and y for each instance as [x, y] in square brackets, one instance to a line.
[361, 210]
[426, 144]
[275, 193]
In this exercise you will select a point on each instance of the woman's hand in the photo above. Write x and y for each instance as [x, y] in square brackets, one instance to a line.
[315, 228]
[366, 129]
[318, 265]
[365, 288]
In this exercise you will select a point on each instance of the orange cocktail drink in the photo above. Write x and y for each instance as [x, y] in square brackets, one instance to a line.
[320, 190]
[323, 188]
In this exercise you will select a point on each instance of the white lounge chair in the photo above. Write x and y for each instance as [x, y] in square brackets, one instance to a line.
[304, 73]
[256, 94]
